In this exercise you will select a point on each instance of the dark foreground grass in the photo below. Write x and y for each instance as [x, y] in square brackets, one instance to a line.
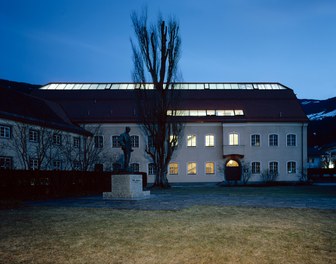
[196, 235]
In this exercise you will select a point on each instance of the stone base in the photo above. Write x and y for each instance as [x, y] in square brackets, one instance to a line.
[126, 187]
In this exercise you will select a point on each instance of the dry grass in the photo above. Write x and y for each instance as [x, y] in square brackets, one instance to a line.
[195, 235]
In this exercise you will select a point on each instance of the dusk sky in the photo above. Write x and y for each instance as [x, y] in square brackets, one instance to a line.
[288, 41]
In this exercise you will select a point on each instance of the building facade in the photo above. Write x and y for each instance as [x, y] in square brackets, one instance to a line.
[233, 131]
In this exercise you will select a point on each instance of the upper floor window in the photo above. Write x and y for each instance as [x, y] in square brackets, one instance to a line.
[173, 168]
[76, 142]
[209, 167]
[192, 169]
[291, 140]
[173, 140]
[98, 141]
[209, 140]
[115, 142]
[255, 140]
[34, 135]
[151, 169]
[256, 167]
[57, 139]
[233, 139]
[191, 141]
[135, 141]
[291, 167]
[5, 131]
[273, 140]
[6, 163]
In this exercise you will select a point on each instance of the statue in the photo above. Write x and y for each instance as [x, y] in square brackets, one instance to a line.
[126, 145]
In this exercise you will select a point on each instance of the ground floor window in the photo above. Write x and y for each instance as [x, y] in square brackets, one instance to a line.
[192, 168]
[274, 167]
[173, 168]
[33, 164]
[135, 167]
[151, 169]
[116, 166]
[6, 163]
[255, 167]
[291, 167]
[57, 165]
[209, 167]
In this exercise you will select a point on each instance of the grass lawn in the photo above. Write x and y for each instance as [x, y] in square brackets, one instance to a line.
[196, 235]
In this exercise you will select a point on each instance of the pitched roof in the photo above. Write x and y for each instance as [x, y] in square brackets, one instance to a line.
[29, 109]
[274, 104]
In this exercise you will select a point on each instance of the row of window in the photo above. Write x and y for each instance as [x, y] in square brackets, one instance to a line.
[209, 140]
[6, 163]
[34, 136]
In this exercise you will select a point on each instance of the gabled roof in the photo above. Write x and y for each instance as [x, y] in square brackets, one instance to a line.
[260, 102]
[29, 109]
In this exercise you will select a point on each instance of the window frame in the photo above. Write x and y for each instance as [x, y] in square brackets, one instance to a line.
[254, 142]
[5, 131]
[33, 163]
[115, 141]
[288, 167]
[290, 140]
[191, 141]
[253, 167]
[173, 170]
[190, 163]
[271, 164]
[135, 139]
[6, 163]
[213, 169]
[233, 139]
[57, 139]
[151, 169]
[271, 142]
[76, 142]
[135, 167]
[34, 135]
[210, 140]
[98, 141]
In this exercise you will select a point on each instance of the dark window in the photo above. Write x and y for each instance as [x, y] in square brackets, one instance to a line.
[151, 169]
[57, 139]
[76, 142]
[115, 142]
[98, 141]
[34, 135]
[291, 140]
[255, 140]
[6, 163]
[256, 167]
[135, 141]
[273, 140]
[5, 131]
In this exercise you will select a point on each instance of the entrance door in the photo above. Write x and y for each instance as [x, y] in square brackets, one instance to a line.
[232, 170]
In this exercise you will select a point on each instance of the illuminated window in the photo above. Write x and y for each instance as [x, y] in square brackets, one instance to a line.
[291, 167]
[255, 140]
[209, 140]
[255, 167]
[232, 163]
[192, 168]
[291, 140]
[233, 139]
[173, 168]
[209, 167]
[273, 140]
[173, 140]
[191, 141]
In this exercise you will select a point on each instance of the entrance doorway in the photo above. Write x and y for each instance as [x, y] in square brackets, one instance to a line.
[233, 170]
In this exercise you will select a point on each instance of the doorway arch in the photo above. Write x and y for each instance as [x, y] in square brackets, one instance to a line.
[233, 170]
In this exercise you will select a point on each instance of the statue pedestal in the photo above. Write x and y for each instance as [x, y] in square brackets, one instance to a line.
[126, 187]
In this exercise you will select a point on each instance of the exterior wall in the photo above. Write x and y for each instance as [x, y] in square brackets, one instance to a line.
[221, 152]
[12, 147]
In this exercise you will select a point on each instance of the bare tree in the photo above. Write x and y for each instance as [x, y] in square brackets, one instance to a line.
[156, 57]
[37, 148]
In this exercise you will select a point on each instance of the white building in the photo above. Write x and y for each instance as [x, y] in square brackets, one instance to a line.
[234, 129]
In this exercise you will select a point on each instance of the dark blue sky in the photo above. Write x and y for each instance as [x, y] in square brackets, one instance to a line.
[288, 41]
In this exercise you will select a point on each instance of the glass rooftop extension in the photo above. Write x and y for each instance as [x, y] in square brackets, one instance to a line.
[183, 86]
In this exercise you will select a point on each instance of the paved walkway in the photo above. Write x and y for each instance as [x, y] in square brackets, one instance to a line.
[179, 197]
